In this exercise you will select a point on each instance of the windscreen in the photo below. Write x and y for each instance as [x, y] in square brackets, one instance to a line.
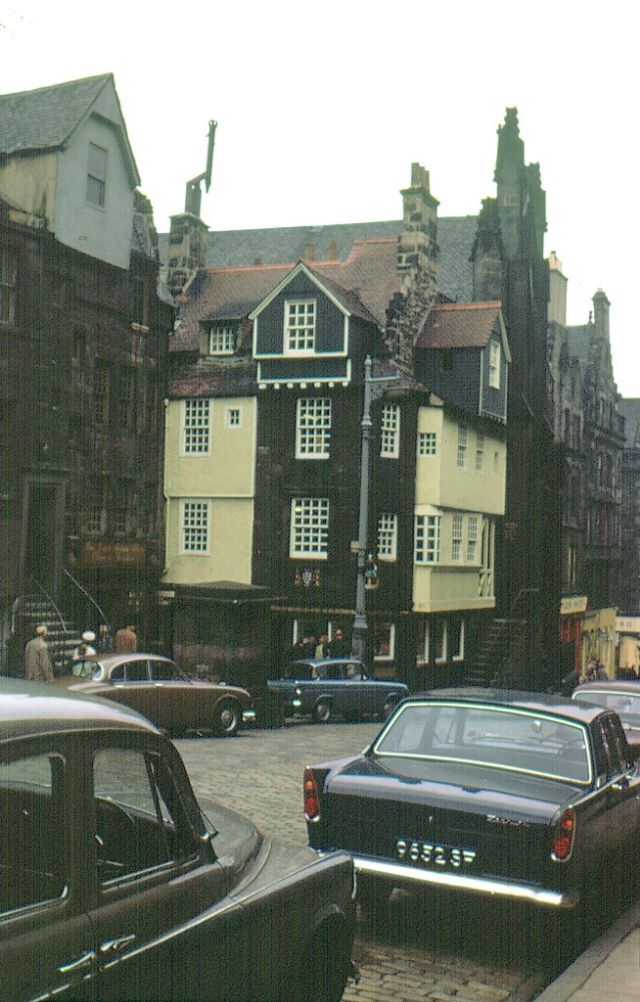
[504, 738]
[626, 705]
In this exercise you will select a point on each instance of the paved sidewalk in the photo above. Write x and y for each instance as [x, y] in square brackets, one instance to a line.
[609, 969]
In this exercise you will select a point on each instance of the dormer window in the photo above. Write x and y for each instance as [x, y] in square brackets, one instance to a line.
[299, 326]
[96, 175]
[222, 339]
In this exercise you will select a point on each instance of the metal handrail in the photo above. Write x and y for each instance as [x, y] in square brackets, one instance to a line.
[86, 594]
[51, 601]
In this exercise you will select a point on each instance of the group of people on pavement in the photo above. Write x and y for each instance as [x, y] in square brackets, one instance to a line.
[320, 647]
[37, 659]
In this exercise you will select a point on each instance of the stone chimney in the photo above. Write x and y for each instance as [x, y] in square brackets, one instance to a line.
[601, 314]
[557, 309]
[487, 254]
[417, 247]
[188, 236]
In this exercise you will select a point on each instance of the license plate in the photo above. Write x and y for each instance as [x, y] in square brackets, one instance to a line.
[433, 854]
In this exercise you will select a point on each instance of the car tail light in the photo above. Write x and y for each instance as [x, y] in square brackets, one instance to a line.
[311, 797]
[564, 836]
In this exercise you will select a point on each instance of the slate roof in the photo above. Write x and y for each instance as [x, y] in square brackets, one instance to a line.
[629, 407]
[43, 119]
[460, 325]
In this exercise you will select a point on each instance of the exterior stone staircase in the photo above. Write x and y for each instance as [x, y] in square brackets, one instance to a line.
[494, 663]
[63, 637]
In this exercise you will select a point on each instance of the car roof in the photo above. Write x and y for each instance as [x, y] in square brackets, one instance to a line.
[612, 684]
[28, 709]
[110, 660]
[548, 702]
[325, 661]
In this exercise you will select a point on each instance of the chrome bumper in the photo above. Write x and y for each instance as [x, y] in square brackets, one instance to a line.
[493, 886]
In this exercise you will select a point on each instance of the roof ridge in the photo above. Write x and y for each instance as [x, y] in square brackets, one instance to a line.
[480, 304]
[59, 86]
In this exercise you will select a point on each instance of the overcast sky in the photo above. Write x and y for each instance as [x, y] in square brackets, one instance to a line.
[322, 108]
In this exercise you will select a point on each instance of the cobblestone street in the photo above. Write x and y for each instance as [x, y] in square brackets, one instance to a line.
[446, 951]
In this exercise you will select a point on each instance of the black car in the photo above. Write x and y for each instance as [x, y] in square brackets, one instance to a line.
[620, 696]
[115, 884]
[325, 687]
[514, 794]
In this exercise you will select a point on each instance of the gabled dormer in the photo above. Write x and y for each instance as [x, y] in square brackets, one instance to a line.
[310, 329]
[463, 355]
[65, 156]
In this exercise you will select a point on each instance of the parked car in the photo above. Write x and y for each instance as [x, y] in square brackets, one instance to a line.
[325, 687]
[117, 884]
[156, 687]
[521, 795]
[620, 696]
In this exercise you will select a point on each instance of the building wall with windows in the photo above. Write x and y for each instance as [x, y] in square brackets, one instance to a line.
[209, 487]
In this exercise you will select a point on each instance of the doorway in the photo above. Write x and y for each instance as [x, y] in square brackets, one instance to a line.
[43, 535]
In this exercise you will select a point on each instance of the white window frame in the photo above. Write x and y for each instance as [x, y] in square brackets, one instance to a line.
[479, 452]
[233, 417]
[457, 531]
[459, 654]
[387, 536]
[196, 427]
[309, 528]
[472, 538]
[300, 316]
[390, 431]
[392, 644]
[198, 512]
[313, 427]
[427, 443]
[494, 364]
[463, 439]
[226, 335]
[427, 539]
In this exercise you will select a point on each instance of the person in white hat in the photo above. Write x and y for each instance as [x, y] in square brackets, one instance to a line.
[85, 649]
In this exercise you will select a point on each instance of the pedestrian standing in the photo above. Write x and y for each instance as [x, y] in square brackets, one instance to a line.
[85, 649]
[37, 663]
[125, 640]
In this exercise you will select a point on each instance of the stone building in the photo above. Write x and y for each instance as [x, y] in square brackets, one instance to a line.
[82, 369]
[629, 594]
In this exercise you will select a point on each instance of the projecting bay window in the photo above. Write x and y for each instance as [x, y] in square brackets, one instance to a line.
[309, 528]
[390, 431]
[299, 326]
[387, 537]
[472, 539]
[196, 429]
[427, 539]
[313, 428]
[195, 526]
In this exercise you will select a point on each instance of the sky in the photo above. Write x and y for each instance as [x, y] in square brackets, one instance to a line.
[322, 108]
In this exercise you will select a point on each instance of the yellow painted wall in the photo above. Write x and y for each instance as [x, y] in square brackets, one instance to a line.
[225, 477]
[31, 183]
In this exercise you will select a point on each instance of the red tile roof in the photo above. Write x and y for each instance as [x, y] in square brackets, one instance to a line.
[460, 325]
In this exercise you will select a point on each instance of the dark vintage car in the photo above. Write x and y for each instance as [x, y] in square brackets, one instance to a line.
[521, 795]
[620, 696]
[325, 687]
[116, 885]
[154, 686]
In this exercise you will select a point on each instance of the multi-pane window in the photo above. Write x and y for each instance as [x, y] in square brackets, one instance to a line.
[126, 409]
[120, 504]
[387, 537]
[494, 364]
[96, 175]
[197, 427]
[479, 451]
[390, 431]
[300, 325]
[427, 443]
[456, 537]
[195, 526]
[101, 381]
[427, 539]
[309, 527]
[384, 641]
[472, 538]
[462, 445]
[222, 340]
[233, 417]
[313, 427]
[7, 285]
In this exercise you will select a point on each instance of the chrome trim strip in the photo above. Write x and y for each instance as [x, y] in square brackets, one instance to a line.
[477, 885]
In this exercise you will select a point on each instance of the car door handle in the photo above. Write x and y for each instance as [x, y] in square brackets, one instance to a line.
[111, 946]
[82, 963]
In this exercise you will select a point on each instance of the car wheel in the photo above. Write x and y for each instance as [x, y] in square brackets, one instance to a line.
[227, 719]
[322, 712]
[326, 967]
[389, 707]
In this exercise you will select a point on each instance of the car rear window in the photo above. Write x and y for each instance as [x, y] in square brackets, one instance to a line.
[627, 705]
[498, 737]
